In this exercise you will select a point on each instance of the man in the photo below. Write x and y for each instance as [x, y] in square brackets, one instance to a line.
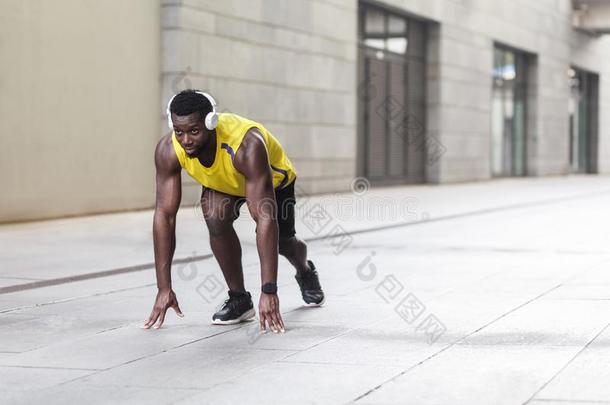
[236, 160]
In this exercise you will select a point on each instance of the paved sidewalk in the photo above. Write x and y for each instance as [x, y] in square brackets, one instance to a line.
[493, 293]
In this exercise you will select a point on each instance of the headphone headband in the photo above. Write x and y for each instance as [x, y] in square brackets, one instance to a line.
[211, 118]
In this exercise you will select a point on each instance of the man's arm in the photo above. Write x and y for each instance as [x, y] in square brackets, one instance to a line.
[169, 193]
[253, 162]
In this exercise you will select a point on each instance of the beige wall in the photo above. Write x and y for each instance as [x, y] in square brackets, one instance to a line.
[79, 102]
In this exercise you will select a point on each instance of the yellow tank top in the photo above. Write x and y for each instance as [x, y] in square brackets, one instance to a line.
[222, 175]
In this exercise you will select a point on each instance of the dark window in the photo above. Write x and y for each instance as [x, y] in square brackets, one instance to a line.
[583, 121]
[509, 113]
[391, 93]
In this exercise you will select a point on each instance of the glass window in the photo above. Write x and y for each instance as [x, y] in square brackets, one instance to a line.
[392, 109]
[582, 117]
[374, 23]
[397, 45]
[375, 43]
[508, 113]
[397, 25]
[385, 31]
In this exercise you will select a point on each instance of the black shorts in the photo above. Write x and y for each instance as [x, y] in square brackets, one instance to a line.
[285, 200]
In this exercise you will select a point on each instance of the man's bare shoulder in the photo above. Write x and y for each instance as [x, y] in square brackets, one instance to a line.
[165, 156]
[252, 153]
[253, 143]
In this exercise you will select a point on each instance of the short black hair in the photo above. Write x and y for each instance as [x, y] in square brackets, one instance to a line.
[189, 101]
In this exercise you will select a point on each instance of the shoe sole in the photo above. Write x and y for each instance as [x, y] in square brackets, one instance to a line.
[313, 304]
[244, 317]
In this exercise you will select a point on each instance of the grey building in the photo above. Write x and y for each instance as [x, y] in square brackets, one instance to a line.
[397, 91]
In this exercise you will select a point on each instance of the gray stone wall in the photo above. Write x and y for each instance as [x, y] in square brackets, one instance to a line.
[290, 65]
[460, 93]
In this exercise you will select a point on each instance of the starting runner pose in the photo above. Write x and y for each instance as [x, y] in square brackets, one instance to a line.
[236, 160]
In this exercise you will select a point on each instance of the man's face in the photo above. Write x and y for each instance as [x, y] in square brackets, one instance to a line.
[190, 132]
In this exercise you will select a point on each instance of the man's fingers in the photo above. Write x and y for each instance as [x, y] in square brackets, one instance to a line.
[151, 316]
[151, 320]
[276, 323]
[281, 322]
[263, 327]
[273, 322]
[178, 310]
[161, 319]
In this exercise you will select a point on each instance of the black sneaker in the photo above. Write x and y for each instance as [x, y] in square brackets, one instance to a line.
[310, 286]
[237, 308]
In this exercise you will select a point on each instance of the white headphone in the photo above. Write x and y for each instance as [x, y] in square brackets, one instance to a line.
[211, 119]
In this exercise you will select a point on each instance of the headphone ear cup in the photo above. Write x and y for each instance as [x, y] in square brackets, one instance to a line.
[211, 120]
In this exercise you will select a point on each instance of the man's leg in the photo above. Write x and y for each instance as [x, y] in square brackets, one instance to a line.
[219, 211]
[295, 251]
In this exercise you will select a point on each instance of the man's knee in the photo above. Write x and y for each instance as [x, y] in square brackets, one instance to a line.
[218, 227]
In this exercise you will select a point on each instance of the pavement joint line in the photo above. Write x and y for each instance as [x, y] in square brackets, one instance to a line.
[578, 299]
[316, 345]
[50, 368]
[21, 278]
[452, 344]
[92, 385]
[98, 371]
[146, 266]
[572, 401]
[98, 274]
[240, 327]
[5, 311]
[334, 363]
[484, 211]
[567, 364]
[113, 328]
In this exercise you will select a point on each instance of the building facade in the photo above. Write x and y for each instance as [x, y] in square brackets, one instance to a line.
[397, 91]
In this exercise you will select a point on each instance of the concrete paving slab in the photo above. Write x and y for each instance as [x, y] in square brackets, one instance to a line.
[13, 379]
[4, 355]
[560, 402]
[13, 304]
[374, 346]
[585, 378]
[194, 366]
[581, 292]
[475, 375]
[546, 322]
[345, 314]
[326, 384]
[112, 347]
[79, 393]
[298, 336]
[80, 289]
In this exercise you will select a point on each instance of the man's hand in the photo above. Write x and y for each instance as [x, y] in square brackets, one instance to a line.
[269, 312]
[165, 299]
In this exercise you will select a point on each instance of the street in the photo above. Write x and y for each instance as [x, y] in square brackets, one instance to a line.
[478, 293]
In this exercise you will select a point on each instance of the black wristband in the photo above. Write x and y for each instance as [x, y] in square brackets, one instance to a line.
[269, 288]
